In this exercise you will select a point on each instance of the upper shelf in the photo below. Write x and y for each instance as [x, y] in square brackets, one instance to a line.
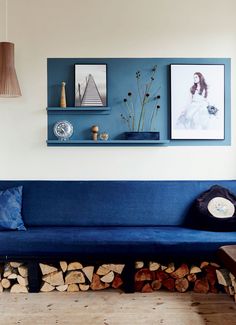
[80, 110]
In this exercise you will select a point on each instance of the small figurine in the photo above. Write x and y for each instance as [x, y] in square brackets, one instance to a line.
[63, 95]
[95, 130]
[104, 136]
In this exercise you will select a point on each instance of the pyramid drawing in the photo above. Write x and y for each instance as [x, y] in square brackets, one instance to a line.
[91, 95]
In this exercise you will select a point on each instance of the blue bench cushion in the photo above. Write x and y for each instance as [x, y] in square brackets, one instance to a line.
[113, 241]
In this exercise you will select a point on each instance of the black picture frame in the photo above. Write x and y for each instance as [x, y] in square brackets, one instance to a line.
[197, 101]
[91, 85]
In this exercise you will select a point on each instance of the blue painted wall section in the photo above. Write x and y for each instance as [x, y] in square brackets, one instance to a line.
[121, 79]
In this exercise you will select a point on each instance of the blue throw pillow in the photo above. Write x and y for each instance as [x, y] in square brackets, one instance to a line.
[10, 209]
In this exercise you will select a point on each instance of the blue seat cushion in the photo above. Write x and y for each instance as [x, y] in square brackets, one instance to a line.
[113, 241]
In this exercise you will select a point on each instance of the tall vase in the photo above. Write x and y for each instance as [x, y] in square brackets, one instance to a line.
[63, 95]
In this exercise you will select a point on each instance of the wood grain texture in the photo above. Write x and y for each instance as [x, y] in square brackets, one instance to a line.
[114, 308]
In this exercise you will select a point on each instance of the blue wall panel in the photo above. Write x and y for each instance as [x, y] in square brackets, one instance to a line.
[121, 79]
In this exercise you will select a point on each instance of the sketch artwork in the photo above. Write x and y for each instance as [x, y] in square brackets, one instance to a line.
[197, 101]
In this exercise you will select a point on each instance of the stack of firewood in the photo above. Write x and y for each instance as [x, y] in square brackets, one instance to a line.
[228, 281]
[74, 277]
[154, 276]
[14, 277]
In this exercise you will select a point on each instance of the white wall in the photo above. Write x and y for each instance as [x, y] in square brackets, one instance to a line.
[108, 28]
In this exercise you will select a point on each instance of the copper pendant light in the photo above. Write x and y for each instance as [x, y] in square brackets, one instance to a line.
[9, 85]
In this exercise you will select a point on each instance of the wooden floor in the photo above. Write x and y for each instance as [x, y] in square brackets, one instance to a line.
[116, 308]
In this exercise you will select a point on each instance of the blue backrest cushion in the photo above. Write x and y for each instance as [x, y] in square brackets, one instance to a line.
[10, 209]
[215, 209]
[109, 203]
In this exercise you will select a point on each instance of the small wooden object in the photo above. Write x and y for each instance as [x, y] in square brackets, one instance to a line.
[95, 130]
[63, 95]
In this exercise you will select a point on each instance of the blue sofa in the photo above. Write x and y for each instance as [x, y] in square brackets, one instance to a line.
[111, 220]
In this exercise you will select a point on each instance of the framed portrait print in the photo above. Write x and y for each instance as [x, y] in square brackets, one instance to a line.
[197, 101]
[91, 85]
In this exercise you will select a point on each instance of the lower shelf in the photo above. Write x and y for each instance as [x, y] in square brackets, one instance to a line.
[71, 143]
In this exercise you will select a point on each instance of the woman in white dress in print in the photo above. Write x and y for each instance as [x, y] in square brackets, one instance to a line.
[196, 114]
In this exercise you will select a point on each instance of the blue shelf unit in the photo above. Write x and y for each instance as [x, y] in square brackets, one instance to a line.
[121, 79]
[100, 143]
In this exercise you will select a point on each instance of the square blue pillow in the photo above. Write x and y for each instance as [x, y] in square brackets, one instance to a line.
[10, 209]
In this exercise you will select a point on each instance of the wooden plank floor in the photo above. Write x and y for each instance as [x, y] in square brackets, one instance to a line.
[116, 308]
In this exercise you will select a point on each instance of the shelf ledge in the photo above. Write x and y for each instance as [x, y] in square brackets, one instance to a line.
[80, 110]
[58, 143]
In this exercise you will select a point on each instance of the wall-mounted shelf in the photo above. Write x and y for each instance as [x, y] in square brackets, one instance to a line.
[78, 143]
[80, 110]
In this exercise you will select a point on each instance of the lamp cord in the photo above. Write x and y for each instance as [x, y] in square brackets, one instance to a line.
[6, 19]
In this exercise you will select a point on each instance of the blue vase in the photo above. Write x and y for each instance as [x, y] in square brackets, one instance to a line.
[142, 135]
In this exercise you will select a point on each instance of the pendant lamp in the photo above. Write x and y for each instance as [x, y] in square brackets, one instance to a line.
[9, 85]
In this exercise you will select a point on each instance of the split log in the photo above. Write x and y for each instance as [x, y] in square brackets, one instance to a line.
[117, 282]
[181, 272]
[192, 277]
[46, 269]
[153, 266]
[108, 278]
[204, 264]
[161, 275]
[88, 271]
[147, 288]
[6, 283]
[156, 285]
[231, 290]
[74, 266]
[201, 286]
[15, 264]
[46, 287]
[181, 284]
[74, 277]
[54, 278]
[117, 268]
[163, 267]
[103, 269]
[73, 287]
[22, 281]
[12, 276]
[63, 266]
[62, 288]
[17, 288]
[1, 288]
[211, 275]
[7, 270]
[144, 275]
[223, 277]
[139, 264]
[195, 269]
[170, 268]
[138, 285]
[232, 277]
[84, 287]
[97, 284]
[23, 271]
[169, 284]
[216, 265]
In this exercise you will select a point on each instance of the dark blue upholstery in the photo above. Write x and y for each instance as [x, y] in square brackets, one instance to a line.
[110, 217]
[113, 242]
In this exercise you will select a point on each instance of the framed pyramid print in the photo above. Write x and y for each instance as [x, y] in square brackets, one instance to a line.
[90, 85]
